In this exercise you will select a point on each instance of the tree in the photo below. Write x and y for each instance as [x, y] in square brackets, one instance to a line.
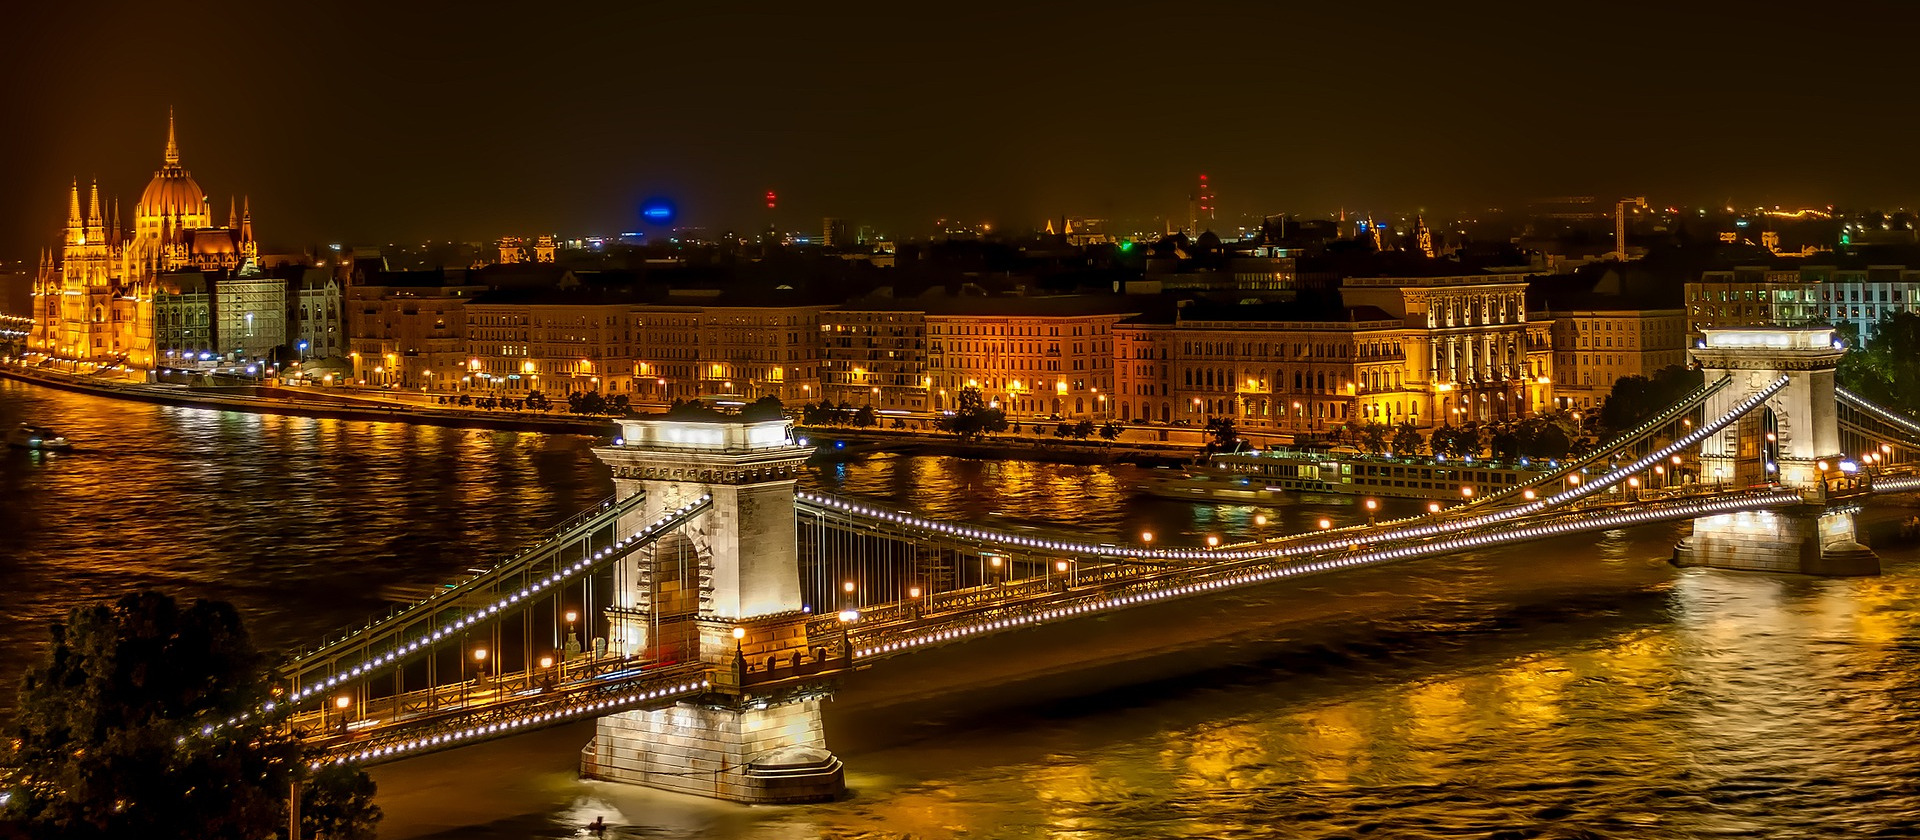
[1407, 440]
[1221, 435]
[768, 407]
[336, 803]
[1109, 431]
[1373, 438]
[1882, 369]
[865, 417]
[972, 418]
[1455, 441]
[122, 731]
[620, 405]
[1636, 398]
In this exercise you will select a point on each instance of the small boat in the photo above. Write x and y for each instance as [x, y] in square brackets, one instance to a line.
[34, 437]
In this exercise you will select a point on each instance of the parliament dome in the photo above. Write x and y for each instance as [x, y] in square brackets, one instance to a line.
[172, 193]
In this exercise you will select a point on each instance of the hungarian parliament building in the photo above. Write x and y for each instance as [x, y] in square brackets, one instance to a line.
[174, 287]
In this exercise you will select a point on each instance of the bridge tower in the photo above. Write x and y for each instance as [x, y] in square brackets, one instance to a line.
[1793, 439]
[722, 592]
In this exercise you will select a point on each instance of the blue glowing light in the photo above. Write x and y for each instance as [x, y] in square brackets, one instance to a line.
[657, 211]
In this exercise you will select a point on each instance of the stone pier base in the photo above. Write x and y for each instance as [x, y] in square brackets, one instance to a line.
[1810, 543]
[755, 755]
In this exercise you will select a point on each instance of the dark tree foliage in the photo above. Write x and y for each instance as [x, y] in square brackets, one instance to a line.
[1221, 434]
[768, 407]
[1636, 398]
[972, 419]
[1407, 440]
[122, 731]
[1374, 438]
[1455, 441]
[1109, 431]
[1887, 369]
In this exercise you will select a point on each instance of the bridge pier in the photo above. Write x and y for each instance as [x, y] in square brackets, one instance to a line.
[1790, 440]
[1803, 541]
[739, 749]
[725, 594]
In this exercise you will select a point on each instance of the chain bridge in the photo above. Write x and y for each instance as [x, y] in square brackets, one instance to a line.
[702, 614]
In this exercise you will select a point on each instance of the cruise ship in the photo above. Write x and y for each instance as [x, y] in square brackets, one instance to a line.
[1277, 476]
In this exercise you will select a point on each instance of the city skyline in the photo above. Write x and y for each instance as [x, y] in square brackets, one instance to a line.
[404, 126]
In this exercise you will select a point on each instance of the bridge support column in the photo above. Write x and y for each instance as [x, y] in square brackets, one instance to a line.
[1790, 440]
[743, 751]
[723, 590]
[1808, 542]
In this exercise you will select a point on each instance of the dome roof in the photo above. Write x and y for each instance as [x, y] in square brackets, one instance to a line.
[172, 192]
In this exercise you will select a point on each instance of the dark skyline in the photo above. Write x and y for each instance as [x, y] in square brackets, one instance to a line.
[375, 123]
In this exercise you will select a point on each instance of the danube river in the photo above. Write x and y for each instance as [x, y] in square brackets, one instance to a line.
[1579, 688]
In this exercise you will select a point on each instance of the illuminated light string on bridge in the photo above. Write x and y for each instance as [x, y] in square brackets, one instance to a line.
[1606, 522]
[664, 523]
[478, 730]
[1875, 409]
[1582, 491]
[611, 505]
[1684, 405]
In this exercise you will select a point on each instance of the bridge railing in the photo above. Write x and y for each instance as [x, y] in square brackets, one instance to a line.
[419, 635]
[608, 509]
[882, 638]
[523, 713]
[1606, 451]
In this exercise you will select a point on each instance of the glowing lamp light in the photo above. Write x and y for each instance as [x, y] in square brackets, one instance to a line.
[739, 633]
[848, 616]
[342, 702]
[1212, 541]
[546, 661]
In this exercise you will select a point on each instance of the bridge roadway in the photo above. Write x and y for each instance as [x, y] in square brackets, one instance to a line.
[463, 713]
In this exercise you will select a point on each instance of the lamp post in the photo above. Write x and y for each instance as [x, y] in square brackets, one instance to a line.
[1373, 506]
[479, 669]
[343, 702]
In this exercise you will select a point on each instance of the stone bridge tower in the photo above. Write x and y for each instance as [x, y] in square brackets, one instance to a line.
[1793, 440]
[720, 590]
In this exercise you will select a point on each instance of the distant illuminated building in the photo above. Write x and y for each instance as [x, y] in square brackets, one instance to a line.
[833, 233]
[544, 249]
[510, 253]
[96, 301]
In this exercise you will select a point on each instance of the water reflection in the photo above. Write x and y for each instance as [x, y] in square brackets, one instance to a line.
[1574, 688]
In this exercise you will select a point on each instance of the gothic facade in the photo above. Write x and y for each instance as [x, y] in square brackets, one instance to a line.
[96, 300]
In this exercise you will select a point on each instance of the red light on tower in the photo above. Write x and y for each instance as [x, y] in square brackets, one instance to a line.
[1206, 198]
[770, 199]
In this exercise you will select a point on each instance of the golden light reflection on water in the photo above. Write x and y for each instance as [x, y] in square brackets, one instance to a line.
[1580, 685]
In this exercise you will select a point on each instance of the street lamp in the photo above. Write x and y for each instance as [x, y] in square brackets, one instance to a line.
[1372, 506]
[1213, 541]
[342, 703]
[1146, 537]
[572, 647]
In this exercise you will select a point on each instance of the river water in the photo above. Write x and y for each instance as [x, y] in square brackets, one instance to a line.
[1571, 689]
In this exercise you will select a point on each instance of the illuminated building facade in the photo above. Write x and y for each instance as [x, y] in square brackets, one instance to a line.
[96, 301]
[408, 327]
[875, 354]
[1035, 357]
[1593, 348]
[1857, 297]
[1471, 352]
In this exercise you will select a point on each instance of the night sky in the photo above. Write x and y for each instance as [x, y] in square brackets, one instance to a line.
[386, 122]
